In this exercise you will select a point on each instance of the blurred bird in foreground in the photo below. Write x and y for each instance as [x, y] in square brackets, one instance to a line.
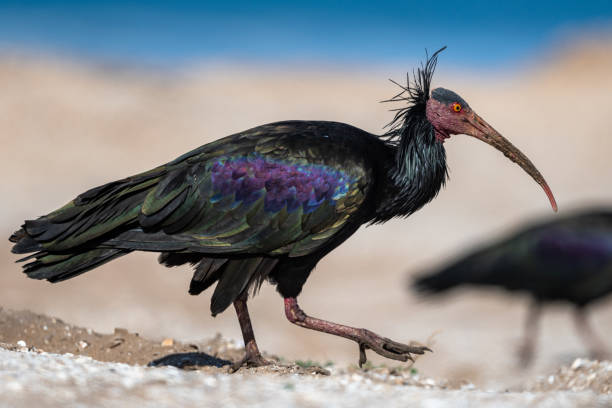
[567, 259]
[267, 204]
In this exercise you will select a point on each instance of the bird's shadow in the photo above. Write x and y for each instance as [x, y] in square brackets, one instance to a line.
[187, 360]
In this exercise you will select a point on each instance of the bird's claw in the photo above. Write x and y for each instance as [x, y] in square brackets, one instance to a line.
[387, 348]
[362, 355]
[250, 361]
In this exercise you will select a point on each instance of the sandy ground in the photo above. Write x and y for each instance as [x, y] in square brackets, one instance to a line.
[66, 126]
[45, 361]
[40, 380]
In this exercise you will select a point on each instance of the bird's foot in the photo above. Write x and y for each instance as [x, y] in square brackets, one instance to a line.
[252, 358]
[249, 362]
[364, 338]
[386, 347]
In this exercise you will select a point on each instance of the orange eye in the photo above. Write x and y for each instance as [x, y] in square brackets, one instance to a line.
[456, 107]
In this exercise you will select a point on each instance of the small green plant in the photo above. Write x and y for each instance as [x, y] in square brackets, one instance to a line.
[307, 363]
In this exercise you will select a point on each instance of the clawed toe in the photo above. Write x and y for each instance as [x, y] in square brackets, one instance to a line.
[387, 348]
[400, 348]
[364, 338]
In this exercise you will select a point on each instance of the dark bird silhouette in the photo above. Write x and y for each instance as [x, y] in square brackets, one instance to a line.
[567, 259]
[267, 204]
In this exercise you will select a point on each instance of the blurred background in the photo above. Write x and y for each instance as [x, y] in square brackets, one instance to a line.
[95, 91]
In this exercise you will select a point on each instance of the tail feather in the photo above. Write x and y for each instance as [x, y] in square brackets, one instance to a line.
[70, 241]
[24, 244]
[88, 217]
[59, 267]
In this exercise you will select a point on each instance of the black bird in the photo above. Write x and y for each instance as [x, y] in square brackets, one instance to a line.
[267, 204]
[567, 259]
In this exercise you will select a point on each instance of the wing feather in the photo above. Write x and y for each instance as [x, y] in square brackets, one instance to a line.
[279, 189]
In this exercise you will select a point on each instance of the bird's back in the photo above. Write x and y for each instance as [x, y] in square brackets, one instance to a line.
[563, 259]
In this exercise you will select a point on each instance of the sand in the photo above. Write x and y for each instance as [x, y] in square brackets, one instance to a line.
[108, 370]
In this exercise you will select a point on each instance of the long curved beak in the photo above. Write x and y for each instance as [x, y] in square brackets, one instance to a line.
[485, 132]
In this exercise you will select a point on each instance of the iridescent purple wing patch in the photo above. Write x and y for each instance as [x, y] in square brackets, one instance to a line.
[283, 183]
[568, 246]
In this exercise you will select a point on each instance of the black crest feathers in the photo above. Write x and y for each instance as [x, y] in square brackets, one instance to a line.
[415, 94]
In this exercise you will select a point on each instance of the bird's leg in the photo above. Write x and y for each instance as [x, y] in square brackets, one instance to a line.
[252, 357]
[596, 346]
[526, 350]
[364, 338]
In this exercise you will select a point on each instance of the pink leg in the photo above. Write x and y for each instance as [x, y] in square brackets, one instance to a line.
[364, 338]
[527, 348]
[253, 357]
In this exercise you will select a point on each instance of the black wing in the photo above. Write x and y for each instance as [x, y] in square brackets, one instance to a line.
[278, 189]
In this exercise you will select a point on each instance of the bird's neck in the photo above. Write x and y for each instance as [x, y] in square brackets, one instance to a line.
[418, 172]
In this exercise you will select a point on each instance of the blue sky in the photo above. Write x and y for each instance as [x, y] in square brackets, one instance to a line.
[174, 33]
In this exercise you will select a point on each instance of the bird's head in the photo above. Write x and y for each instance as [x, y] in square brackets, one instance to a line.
[450, 114]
